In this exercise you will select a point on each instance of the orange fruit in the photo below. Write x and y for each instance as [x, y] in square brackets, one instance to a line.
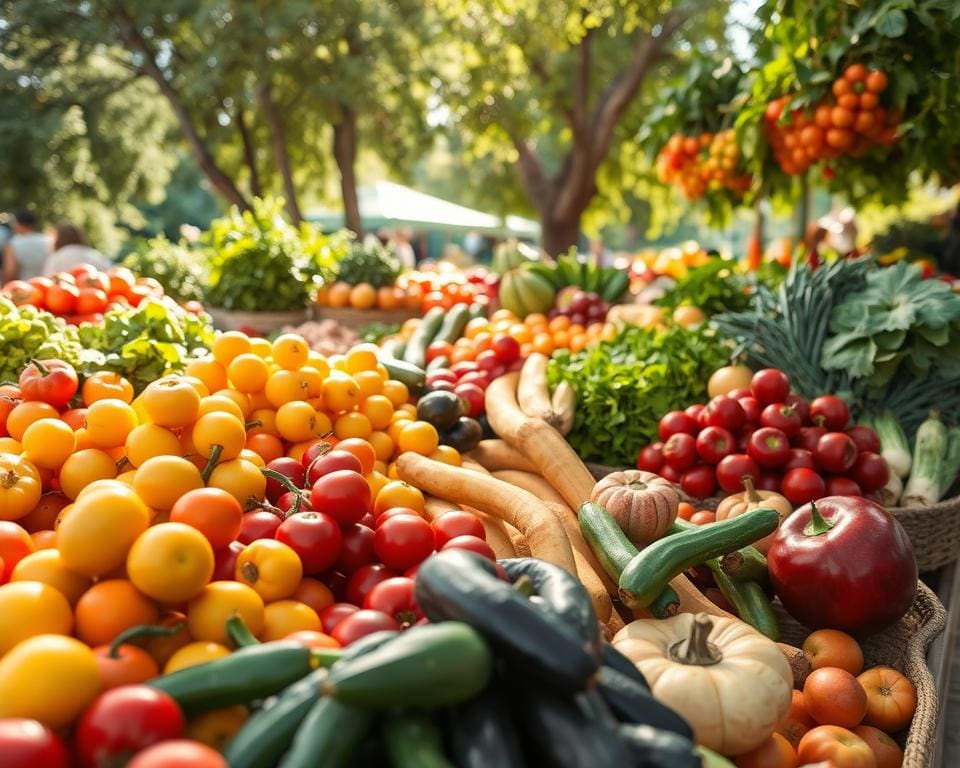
[833, 648]
[363, 296]
[834, 697]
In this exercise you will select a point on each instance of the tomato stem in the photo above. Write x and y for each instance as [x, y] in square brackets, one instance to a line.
[10, 479]
[44, 371]
[251, 424]
[817, 525]
[143, 630]
[215, 452]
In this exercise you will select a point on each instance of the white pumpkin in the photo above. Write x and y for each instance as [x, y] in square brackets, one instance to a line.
[732, 684]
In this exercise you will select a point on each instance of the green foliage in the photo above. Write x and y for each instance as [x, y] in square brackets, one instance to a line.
[714, 287]
[145, 342]
[368, 262]
[27, 333]
[374, 333]
[624, 386]
[179, 270]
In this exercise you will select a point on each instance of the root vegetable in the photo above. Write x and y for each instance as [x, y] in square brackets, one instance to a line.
[498, 454]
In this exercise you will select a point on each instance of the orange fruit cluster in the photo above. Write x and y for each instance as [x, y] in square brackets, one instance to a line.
[697, 164]
[849, 122]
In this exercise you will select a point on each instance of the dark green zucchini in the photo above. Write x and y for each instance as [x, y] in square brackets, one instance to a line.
[416, 350]
[564, 595]
[461, 586]
[482, 733]
[606, 539]
[633, 703]
[453, 324]
[414, 740]
[264, 737]
[415, 378]
[652, 748]
[615, 660]
[650, 571]
[426, 666]
[750, 601]
[477, 310]
[328, 736]
[747, 564]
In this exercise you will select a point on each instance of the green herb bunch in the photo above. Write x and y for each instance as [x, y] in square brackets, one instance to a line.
[713, 287]
[368, 263]
[179, 270]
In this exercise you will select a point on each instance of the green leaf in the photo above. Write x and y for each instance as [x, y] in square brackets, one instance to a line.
[892, 24]
[855, 356]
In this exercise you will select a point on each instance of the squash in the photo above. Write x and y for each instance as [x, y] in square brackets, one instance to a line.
[643, 504]
[728, 681]
[751, 498]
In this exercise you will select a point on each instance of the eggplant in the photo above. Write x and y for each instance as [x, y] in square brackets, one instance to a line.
[482, 733]
[633, 703]
[651, 748]
[615, 660]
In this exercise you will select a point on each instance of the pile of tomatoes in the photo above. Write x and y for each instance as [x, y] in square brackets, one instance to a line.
[849, 122]
[697, 164]
[804, 450]
[85, 293]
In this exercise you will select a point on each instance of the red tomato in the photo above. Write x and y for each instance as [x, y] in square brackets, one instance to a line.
[770, 386]
[474, 397]
[394, 597]
[314, 536]
[121, 281]
[225, 560]
[694, 411]
[769, 447]
[123, 721]
[454, 524]
[751, 409]
[332, 461]
[724, 412]
[365, 578]
[62, 299]
[259, 524]
[835, 452]
[51, 381]
[808, 437]
[781, 416]
[291, 469]
[403, 541]
[800, 403]
[680, 451]
[732, 469]
[870, 471]
[768, 481]
[677, 422]
[178, 753]
[831, 412]
[669, 473]
[90, 301]
[356, 549]
[864, 438]
[699, 481]
[471, 544]
[802, 485]
[650, 458]
[334, 614]
[443, 374]
[838, 485]
[480, 379]
[28, 744]
[362, 623]
[506, 348]
[286, 502]
[344, 495]
[21, 293]
[439, 349]
[714, 443]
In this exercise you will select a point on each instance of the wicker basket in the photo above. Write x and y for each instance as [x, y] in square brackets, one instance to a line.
[903, 647]
[357, 318]
[933, 531]
[264, 322]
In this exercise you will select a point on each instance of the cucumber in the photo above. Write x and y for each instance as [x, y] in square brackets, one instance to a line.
[749, 600]
[461, 586]
[658, 749]
[482, 733]
[564, 595]
[923, 486]
[426, 666]
[398, 370]
[477, 311]
[392, 347]
[416, 351]
[438, 363]
[650, 571]
[453, 324]
[328, 736]
[614, 285]
[414, 740]
[747, 564]
[633, 703]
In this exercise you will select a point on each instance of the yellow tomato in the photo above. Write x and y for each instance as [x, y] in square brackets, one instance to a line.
[340, 392]
[106, 384]
[290, 351]
[259, 400]
[261, 347]
[46, 566]
[20, 487]
[241, 479]
[379, 410]
[49, 678]
[240, 398]
[398, 494]
[208, 612]
[198, 384]
[29, 608]
[222, 404]
[219, 436]
[285, 387]
[24, 414]
[369, 382]
[209, 371]
[396, 392]
[48, 442]
[9, 445]
[382, 445]
[96, 535]
[376, 480]
[255, 458]
[447, 455]
[216, 728]
[248, 372]
[286, 616]
[228, 345]
[162, 480]
[362, 357]
[270, 567]
[83, 468]
[297, 421]
[109, 422]
[148, 441]
[352, 424]
[170, 562]
[314, 380]
[420, 437]
[192, 654]
[172, 402]
[264, 422]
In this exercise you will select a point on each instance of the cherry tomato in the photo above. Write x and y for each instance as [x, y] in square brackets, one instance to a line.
[768, 481]
[438, 349]
[740, 393]
[454, 524]
[770, 386]
[650, 458]
[802, 485]
[732, 469]
[801, 404]
[178, 753]
[225, 560]
[334, 614]
[344, 495]
[28, 744]
[122, 721]
[713, 443]
[769, 447]
[694, 411]
[506, 348]
[394, 512]
[870, 471]
[699, 482]
[781, 416]
[751, 409]
[724, 412]
[667, 472]
[286, 502]
[362, 623]
[864, 438]
[835, 452]
[332, 461]
[365, 578]
[473, 395]
[442, 374]
[314, 536]
[831, 412]
[291, 469]
[808, 437]
[838, 485]
[403, 541]
[471, 544]
[680, 451]
[259, 524]
[675, 422]
[394, 597]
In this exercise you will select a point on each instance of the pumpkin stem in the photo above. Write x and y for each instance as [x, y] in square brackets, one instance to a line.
[817, 525]
[750, 494]
[637, 485]
[696, 649]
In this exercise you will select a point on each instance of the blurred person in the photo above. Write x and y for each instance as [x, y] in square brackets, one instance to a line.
[403, 250]
[27, 251]
[70, 250]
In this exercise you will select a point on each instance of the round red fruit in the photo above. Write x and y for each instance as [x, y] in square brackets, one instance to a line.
[362, 623]
[332, 461]
[344, 495]
[650, 458]
[677, 422]
[394, 597]
[29, 744]
[802, 485]
[768, 481]
[315, 537]
[259, 524]
[865, 438]
[403, 541]
[781, 416]
[724, 412]
[798, 458]
[769, 447]
[472, 544]
[699, 482]
[831, 412]
[770, 386]
[713, 443]
[694, 411]
[732, 470]
[801, 404]
[751, 409]
[334, 614]
[870, 471]
[808, 437]
[473, 396]
[838, 485]
[836, 452]
[680, 451]
[356, 549]
[454, 524]
[291, 469]
[362, 580]
[506, 348]
[669, 473]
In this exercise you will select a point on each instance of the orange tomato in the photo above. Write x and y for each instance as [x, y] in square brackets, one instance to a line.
[796, 722]
[241, 479]
[229, 345]
[46, 566]
[885, 749]
[838, 746]
[542, 343]
[148, 441]
[15, 544]
[290, 351]
[269, 567]
[218, 436]
[396, 392]
[284, 617]
[192, 654]
[314, 593]
[891, 698]
[84, 467]
[25, 413]
[171, 402]
[160, 481]
[834, 697]
[44, 539]
[420, 437]
[213, 512]
[104, 385]
[340, 392]
[248, 373]
[43, 516]
[48, 442]
[775, 752]
[109, 422]
[221, 403]
[833, 648]
[297, 421]
[208, 612]
[398, 494]
[209, 371]
[311, 639]
[382, 445]
[20, 487]
[352, 425]
[285, 387]
[170, 562]
[109, 608]
[30, 608]
[124, 665]
[339, 295]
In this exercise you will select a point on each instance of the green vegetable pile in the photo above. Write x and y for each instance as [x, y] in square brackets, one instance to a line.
[624, 386]
[712, 287]
[144, 343]
[27, 333]
[368, 263]
[177, 269]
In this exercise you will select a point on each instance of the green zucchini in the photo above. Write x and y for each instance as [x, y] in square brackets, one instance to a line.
[653, 748]
[438, 363]
[477, 310]
[482, 732]
[461, 586]
[392, 347]
[923, 486]
[414, 740]
[328, 736]
[416, 351]
[749, 600]
[427, 666]
[415, 378]
[747, 564]
[453, 324]
[633, 703]
[649, 572]
[264, 737]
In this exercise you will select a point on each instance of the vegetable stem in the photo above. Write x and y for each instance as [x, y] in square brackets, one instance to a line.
[817, 525]
[696, 649]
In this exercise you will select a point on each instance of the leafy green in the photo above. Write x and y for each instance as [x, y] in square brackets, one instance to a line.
[27, 333]
[368, 263]
[179, 270]
[145, 342]
[375, 332]
[624, 386]
[713, 287]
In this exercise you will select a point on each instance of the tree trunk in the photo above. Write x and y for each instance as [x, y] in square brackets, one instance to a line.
[249, 153]
[345, 153]
[557, 236]
[278, 141]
